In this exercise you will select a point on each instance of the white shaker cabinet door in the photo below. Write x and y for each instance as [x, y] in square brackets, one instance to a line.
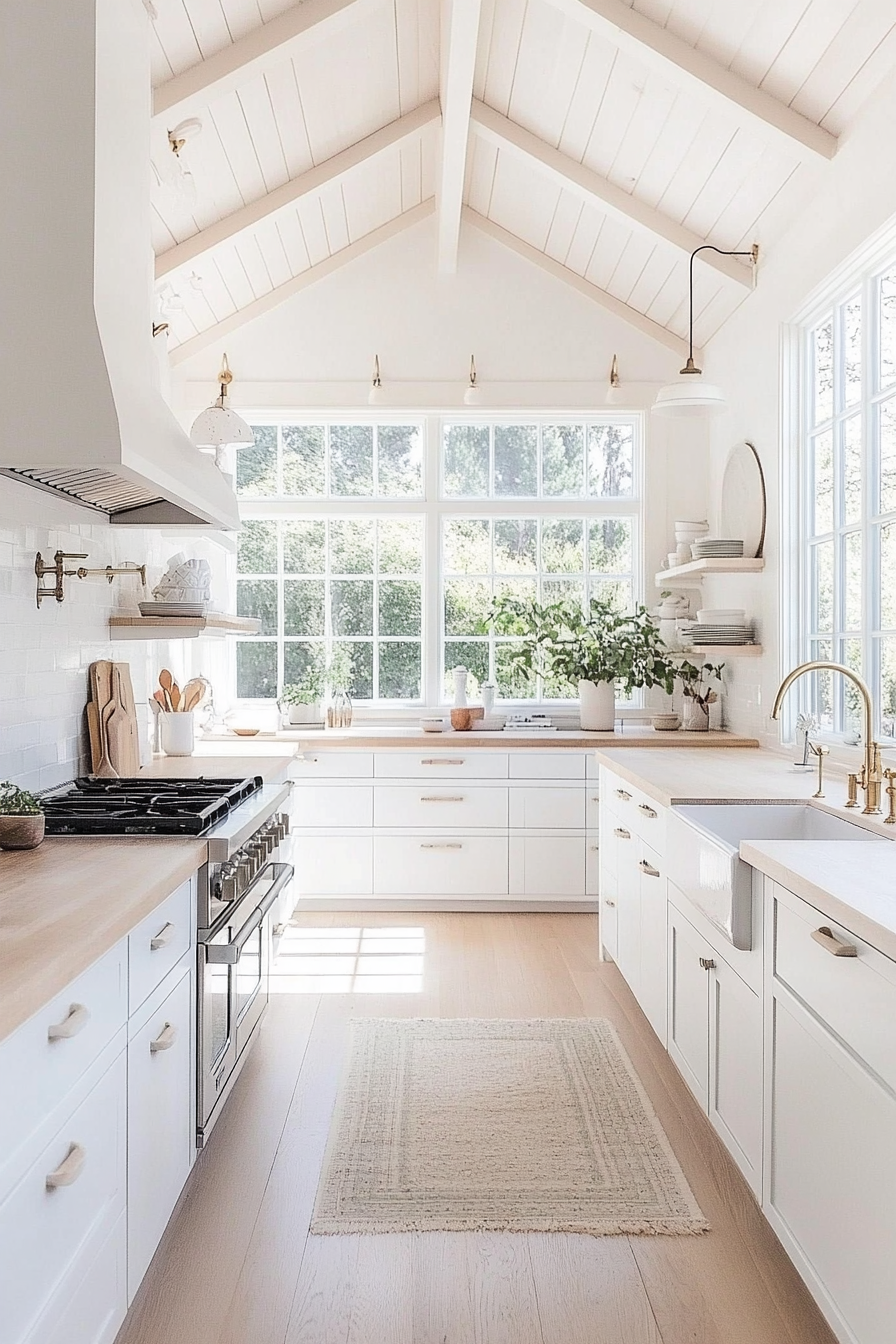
[550, 866]
[333, 865]
[735, 1072]
[652, 974]
[689, 1004]
[831, 1182]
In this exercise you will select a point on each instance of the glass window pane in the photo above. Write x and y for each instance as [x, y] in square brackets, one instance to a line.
[821, 685]
[562, 546]
[303, 607]
[360, 678]
[887, 412]
[400, 611]
[851, 656]
[256, 467]
[466, 461]
[299, 658]
[351, 606]
[852, 469]
[305, 547]
[888, 577]
[258, 598]
[618, 592]
[823, 371]
[852, 351]
[512, 683]
[610, 460]
[610, 545]
[467, 546]
[516, 460]
[563, 590]
[521, 590]
[887, 294]
[886, 652]
[304, 468]
[822, 570]
[256, 669]
[400, 670]
[399, 460]
[821, 460]
[852, 581]
[351, 546]
[516, 545]
[351, 460]
[401, 545]
[563, 461]
[257, 553]
[468, 653]
[466, 605]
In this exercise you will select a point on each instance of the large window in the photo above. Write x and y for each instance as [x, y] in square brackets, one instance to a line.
[390, 540]
[848, 500]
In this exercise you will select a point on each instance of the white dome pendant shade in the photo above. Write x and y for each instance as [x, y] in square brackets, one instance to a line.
[693, 395]
[219, 425]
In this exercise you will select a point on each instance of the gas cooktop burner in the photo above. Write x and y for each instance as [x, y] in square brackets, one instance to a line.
[143, 806]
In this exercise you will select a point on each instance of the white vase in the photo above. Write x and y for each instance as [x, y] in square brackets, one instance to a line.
[694, 717]
[460, 687]
[305, 714]
[176, 733]
[597, 706]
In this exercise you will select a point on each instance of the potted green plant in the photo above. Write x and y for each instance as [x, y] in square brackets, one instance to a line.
[699, 693]
[21, 820]
[597, 649]
[321, 675]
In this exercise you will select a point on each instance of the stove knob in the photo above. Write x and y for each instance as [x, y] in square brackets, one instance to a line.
[245, 871]
[229, 885]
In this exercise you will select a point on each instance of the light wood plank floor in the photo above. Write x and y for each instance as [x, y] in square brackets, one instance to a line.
[238, 1266]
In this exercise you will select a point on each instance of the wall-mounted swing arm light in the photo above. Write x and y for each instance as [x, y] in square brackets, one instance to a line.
[473, 394]
[614, 386]
[376, 396]
[693, 396]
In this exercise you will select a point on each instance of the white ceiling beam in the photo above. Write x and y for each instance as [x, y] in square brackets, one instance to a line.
[595, 190]
[304, 280]
[623, 311]
[308, 184]
[692, 69]
[460, 36]
[189, 92]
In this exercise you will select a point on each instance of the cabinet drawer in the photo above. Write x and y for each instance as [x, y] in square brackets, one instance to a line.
[47, 1055]
[161, 1124]
[158, 943]
[635, 810]
[608, 925]
[592, 866]
[552, 866]
[440, 865]
[333, 865]
[592, 808]
[92, 1303]
[333, 765]
[454, 764]
[854, 996]
[475, 807]
[540, 807]
[44, 1229]
[547, 765]
[333, 805]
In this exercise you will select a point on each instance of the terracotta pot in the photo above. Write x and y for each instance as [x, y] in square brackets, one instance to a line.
[461, 720]
[22, 832]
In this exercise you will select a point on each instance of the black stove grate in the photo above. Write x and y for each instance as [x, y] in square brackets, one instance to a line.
[91, 806]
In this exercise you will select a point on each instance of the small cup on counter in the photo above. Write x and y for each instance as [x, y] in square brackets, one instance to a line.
[462, 720]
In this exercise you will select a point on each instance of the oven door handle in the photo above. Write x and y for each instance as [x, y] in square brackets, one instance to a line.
[228, 954]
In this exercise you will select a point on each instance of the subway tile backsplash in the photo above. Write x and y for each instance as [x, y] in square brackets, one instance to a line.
[45, 654]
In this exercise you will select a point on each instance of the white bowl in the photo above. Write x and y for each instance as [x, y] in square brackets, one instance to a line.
[666, 723]
[672, 558]
[691, 525]
[720, 616]
[432, 725]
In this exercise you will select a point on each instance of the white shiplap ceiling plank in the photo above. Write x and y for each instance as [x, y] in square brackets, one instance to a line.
[771, 28]
[270, 244]
[460, 37]
[253, 263]
[215, 291]
[652, 110]
[722, 27]
[810, 39]
[162, 237]
[552, 50]
[255, 101]
[629, 271]
[410, 159]
[517, 200]
[678, 137]
[654, 276]
[159, 65]
[852, 67]
[209, 24]
[656, 10]
[695, 169]
[663, 50]
[242, 16]
[737, 164]
[234, 275]
[332, 204]
[582, 286]
[175, 36]
[217, 190]
[286, 102]
[481, 177]
[372, 195]
[314, 228]
[292, 236]
[625, 91]
[430, 163]
[272, 9]
[615, 238]
[417, 27]
[229, 121]
[587, 95]
[302, 281]
[563, 226]
[506, 36]
[585, 240]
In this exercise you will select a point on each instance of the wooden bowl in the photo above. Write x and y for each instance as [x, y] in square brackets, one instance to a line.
[247, 732]
[461, 720]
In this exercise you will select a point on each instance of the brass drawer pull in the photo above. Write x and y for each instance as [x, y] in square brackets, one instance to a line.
[594, 848]
[626, 797]
[611, 904]
[165, 1039]
[442, 798]
[445, 846]
[595, 797]
[162, 938]
[648, 811]
[622, 833]
[75, 1020]
[69, 1168]
[446, 761]
[827, 939]
[648, 869]
[707, 963]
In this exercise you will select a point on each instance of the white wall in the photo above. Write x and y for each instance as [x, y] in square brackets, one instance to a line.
[856, 197]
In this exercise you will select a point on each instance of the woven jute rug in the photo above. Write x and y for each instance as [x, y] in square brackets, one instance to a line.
[464, 1125]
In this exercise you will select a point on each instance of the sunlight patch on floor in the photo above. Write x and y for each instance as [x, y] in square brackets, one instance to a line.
[349, 961]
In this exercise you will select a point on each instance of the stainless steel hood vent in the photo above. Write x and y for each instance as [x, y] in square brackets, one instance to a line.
[81, 413]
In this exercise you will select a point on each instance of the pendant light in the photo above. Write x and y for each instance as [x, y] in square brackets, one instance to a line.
[376, 396]
[473, 394]
[219, 425]
[614, 387]
[693, 396]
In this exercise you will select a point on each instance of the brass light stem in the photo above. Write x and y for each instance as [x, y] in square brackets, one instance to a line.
[753, 254]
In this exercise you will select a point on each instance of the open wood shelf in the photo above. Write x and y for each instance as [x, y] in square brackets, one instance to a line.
[214, 625]
[720, 651]
[694, 570]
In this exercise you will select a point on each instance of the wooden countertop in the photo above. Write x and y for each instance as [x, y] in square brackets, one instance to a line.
[213, 762]
[706, 776]
[67, 902]
[379, 739]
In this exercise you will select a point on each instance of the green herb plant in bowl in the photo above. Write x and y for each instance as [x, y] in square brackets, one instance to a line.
[21, 820]
[303, 697]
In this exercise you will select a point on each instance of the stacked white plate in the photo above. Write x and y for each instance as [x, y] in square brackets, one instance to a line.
[716, 548]
[702, 633]
[191, 609]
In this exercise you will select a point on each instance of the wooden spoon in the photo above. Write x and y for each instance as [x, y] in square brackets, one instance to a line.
[192, 694]
[174, 692]
[159, 697]
[166, 681]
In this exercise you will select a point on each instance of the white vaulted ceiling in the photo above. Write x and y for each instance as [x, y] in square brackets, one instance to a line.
[602, 140]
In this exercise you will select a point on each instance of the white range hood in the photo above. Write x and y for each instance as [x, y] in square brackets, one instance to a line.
[81, 413]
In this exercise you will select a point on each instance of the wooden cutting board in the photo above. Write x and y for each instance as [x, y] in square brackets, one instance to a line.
[100, 683]
[123, 742]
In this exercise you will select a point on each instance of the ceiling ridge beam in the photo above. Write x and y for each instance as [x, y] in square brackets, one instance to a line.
[609, 302]
[460, 38]
[188, 92]
[595, 190]
[308, 184]
[304, 280]
[687, 67]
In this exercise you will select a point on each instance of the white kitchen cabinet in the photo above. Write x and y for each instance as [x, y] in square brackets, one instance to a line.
[652, 967]
[93, 1303]
[161, 1121]
[544, 807]
[688, 1038]
[438, 864]
[333, 805]
[334, 865]
[458, 807]
[158, 942]
[551, 866]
